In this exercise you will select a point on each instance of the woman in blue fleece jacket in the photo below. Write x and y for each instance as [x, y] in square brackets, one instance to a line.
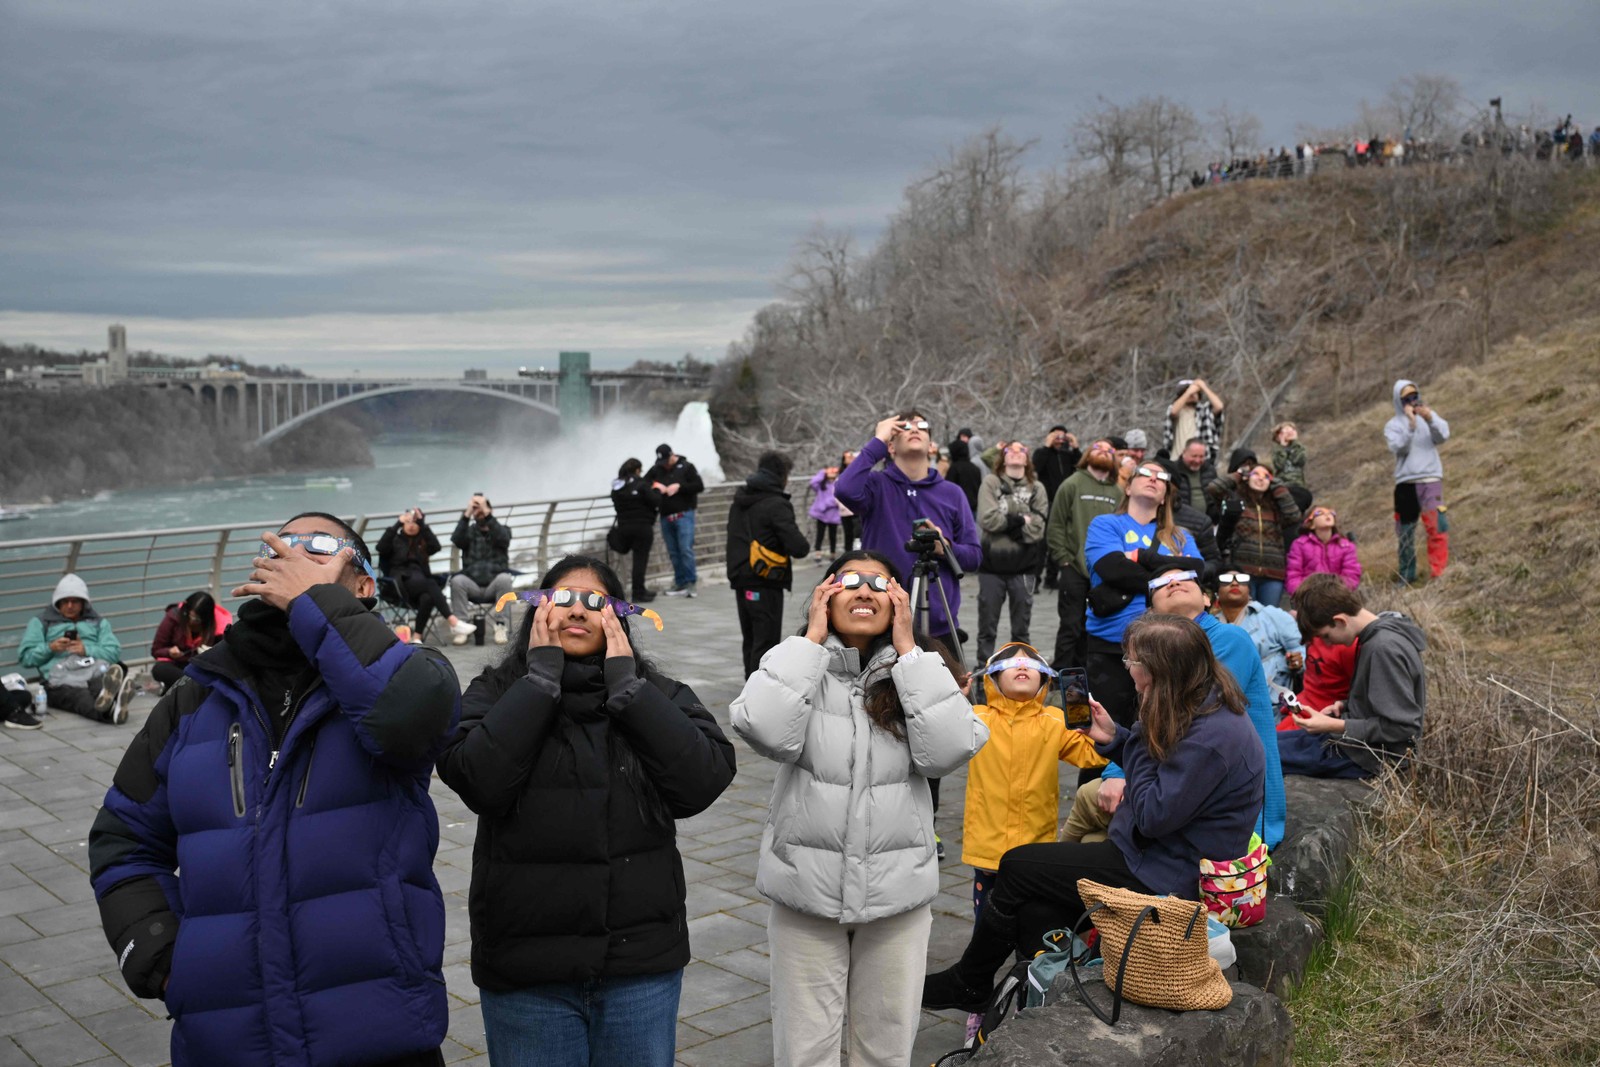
[1195, 772]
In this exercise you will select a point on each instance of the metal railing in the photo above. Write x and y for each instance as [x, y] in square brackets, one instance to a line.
[134, 576]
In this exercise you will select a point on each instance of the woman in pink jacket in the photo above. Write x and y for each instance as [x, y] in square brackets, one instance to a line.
[1322, 550]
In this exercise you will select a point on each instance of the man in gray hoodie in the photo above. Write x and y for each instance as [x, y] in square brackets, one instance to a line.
[1379, 723]
[1414, 436]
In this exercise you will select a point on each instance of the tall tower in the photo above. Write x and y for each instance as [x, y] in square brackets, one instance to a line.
[572, 390]
[117, 354]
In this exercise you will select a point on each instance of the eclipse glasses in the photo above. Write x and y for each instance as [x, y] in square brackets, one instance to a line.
[855, 580]
[566, 598]
[319, 544]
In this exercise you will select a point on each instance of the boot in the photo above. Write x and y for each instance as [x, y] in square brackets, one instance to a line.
[967, 986]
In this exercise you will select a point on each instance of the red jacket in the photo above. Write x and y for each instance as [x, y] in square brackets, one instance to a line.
[1308, 556]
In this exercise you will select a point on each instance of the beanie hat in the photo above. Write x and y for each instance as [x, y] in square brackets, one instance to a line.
[1137, 439]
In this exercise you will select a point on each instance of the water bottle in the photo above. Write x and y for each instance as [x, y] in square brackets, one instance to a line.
[40, 704]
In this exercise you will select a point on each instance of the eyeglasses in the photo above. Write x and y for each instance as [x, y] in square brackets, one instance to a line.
[319, 544]
[855, 580]
[1158, 473]
[1126, 662]
[566, 598]
[912, 424]
[1317, 512]
[1017, 448]
[1233, 578]
[1163, 580]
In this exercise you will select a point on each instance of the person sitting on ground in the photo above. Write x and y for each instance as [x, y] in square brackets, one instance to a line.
[637, 503]
[486, 574]
[1274, 631]
[1329, 668]
[263, 861]
[1175, 590]
[1265, 520]
[1012, 508]
[906, 494]
[1195, 773]
[76, 653]
[403, 553]
[763, 544]
[1322, 550]
[186, 630]
[1196, 412]
[1379, 723]
[964, 473]
[858, 718]
[825, 510]
[680, 486]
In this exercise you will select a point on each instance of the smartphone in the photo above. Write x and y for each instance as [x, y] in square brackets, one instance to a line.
[1075, 695]
[71, 635]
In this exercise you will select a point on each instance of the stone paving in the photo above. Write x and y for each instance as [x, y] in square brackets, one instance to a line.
[63, 1003]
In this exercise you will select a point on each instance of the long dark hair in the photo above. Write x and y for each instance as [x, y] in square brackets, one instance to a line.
[881, 701]
[499, 677]
[201, 604]
[1184, 675]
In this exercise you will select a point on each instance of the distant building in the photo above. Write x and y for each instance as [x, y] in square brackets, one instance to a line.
[114, 367]
[473, 374]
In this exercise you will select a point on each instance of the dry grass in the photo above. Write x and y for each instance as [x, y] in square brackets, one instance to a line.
[1471, 932]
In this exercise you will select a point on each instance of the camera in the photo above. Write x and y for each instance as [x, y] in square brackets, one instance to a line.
[924, 541]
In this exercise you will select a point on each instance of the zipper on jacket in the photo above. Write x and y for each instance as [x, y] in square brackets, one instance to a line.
[236, 767]
[305, 780]
[272, 760]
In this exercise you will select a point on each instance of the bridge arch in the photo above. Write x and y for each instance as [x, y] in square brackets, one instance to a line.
[353, 397]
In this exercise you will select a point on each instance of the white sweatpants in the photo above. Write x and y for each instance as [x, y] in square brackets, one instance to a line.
[820, 967]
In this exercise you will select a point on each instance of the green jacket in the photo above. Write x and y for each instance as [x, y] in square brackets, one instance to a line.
[33, 651]
[1078, 500]
[1289, 463]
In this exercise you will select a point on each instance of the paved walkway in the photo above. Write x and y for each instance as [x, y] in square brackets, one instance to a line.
[63, 1003]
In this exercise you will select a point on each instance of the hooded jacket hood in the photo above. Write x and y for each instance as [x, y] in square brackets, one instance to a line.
[1400, 387]
[759, 484]
[959, 451]
[1395, 626]
[69, 585]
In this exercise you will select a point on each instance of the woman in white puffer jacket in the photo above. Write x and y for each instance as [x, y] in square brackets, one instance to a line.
[860, 718]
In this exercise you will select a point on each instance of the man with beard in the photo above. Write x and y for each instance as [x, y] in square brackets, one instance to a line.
[1054, 463]
[1090, 491]
[264, 858]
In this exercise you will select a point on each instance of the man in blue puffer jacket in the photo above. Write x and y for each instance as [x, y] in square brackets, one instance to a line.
[264, 858]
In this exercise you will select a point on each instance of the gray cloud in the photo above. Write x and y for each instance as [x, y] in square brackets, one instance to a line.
[577, 173]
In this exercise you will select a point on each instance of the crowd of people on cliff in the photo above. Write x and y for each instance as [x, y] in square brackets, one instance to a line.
[263, 859]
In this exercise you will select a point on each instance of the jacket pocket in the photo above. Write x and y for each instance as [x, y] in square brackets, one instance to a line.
[305, 779]
[236, 767]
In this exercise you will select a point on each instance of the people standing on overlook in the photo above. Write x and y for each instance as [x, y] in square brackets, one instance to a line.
[1414, 436]
[1322, 549]
[963, 473]
[186, 630]
[1262, 518]
[577, 755]
[637, 503]
[485, 574]
[1055, 461]
[1012, 509]
[824, 510]
[763, 545]
[263, 861]
[403, 553]
[858, 717]
[680, 486]
[1089, 491]
[905, 494]
[1196, 412]
[77, 654]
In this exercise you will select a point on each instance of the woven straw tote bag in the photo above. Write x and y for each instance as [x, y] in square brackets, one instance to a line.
[1155, 952]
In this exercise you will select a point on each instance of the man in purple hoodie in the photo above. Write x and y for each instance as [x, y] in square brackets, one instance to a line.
[907, 489]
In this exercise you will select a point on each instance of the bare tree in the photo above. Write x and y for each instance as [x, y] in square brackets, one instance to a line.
[1106, 136]
[1167, 135]
[1234, 133]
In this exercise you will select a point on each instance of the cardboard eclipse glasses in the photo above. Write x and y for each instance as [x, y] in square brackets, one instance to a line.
[566, 598]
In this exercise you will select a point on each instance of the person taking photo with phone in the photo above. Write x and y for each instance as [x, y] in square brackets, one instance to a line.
[486, 575]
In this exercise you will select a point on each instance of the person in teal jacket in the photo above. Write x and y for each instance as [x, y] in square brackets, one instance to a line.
[70, 629]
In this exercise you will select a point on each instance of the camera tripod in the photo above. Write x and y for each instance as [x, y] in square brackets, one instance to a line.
[925, 572]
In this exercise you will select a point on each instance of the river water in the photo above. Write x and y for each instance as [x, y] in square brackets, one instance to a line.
[435, 472]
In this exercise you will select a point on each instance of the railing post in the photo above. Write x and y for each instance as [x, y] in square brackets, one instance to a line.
[544, 537]
[72, 556]
[216, 564]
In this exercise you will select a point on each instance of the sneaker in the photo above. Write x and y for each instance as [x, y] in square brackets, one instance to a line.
[462, 628]
[499, 633]
[461, 639]
[680, 590]
[110, 686]
[938, 846]
[21, 719]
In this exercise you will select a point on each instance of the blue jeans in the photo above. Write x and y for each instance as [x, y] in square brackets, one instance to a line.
[630, 1021]
[677, 533]
[1310, 755]
[1268, 591]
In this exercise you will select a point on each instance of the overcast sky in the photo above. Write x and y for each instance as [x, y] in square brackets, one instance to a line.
[427, 186]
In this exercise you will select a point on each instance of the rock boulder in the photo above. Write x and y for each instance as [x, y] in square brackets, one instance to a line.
[1273, 953]
[1314, 857]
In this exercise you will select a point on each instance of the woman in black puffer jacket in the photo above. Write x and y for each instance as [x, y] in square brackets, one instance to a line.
[577, 756]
